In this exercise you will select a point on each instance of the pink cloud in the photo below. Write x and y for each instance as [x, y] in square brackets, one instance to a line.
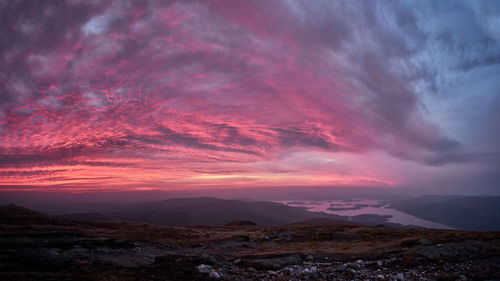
[199, 93]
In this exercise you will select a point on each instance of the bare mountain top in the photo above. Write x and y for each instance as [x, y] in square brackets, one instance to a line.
[41, 247]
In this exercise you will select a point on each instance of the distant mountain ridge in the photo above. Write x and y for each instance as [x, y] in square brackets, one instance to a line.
[461, 212]
[209, 211]
[469, 213]
[214, 211]
[202, 211]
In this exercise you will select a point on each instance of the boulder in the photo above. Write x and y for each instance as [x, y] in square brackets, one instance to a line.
[214, 274]
[203, 268]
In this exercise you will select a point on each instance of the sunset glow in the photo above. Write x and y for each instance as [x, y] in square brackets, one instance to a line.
[169, 95]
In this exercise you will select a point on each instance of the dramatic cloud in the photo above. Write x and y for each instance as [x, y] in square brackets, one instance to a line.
[177, 94]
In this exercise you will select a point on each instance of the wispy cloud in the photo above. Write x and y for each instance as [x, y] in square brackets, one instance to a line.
[171, 91]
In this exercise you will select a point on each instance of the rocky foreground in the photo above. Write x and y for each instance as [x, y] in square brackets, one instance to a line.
[34, 246]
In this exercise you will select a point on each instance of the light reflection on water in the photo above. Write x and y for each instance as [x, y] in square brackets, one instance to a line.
[359, 207]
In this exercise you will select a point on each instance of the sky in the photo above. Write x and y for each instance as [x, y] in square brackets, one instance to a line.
[105, 96]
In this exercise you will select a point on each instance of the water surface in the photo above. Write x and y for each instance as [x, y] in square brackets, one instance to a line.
[356, 207]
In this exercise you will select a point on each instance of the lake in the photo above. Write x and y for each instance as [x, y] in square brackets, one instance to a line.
[356, 207]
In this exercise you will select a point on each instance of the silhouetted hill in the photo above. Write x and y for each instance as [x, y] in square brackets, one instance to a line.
[87, 217]
[214, 211]
[427, 199]
[13, 214]
[471, 213]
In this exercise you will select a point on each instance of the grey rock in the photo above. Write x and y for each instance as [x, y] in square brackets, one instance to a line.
[264, 238]
[214, 274]
[203, 268]
[310, 271]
